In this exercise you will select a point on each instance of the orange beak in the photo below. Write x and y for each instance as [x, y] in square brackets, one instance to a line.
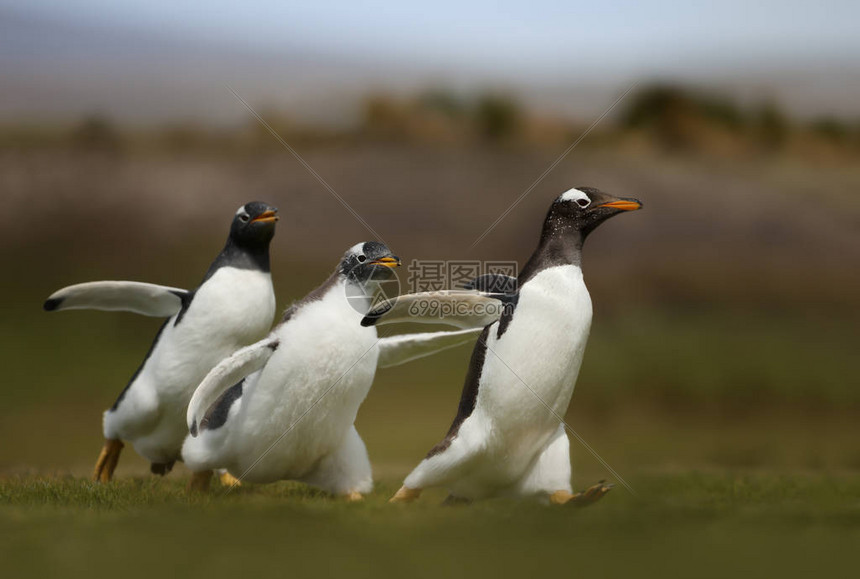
[265, 217]
[387, 261]
[623, 205]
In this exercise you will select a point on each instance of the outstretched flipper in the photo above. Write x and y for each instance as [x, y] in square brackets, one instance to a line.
[396, 350]
[494, 283]
[460, 308]
[147, 299]
[227, 373]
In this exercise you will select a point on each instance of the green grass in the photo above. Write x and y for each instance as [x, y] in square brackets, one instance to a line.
[738, 432]
[685, 525]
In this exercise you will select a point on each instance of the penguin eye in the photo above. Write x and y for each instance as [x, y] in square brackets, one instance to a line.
[583, 202]
[362, 259]
[244, 218]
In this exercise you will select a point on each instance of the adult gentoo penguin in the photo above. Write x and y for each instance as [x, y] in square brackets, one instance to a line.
[285, 407]
[507, 438]
[232, 307]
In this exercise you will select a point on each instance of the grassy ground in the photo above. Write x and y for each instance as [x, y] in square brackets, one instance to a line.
[743, 468]
[682, 525]
[741, 446]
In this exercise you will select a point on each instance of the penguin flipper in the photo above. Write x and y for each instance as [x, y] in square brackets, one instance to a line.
[227, 373]
[396, 350]
[493, 283]
[460, 308]
[147, 299]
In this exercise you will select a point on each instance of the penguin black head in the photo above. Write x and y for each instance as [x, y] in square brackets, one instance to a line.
[571, 217]
[584, 208]
[254, 225]
[369, 262]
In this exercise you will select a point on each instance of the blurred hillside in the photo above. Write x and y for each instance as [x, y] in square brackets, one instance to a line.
[745, 206]
[660, 117]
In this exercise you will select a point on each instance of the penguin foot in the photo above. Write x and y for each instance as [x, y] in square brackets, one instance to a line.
[200, 481]
[454, 501]
[583, 498]
[161, 468]
[108, 459]
[592, 494]
[353, 497]
[228, 480]
[405, 495]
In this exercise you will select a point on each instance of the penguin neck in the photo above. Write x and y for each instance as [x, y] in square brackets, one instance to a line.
[560, 244]
[255, 257]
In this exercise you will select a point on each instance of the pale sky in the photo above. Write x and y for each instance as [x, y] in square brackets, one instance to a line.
[162, 59]
[538, 34]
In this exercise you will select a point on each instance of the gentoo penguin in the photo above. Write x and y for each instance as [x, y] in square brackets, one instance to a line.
[285, 407]
[232, 307]
[507, 438]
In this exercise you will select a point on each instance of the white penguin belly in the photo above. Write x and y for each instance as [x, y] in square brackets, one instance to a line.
[530, 371]
[307, 396]
[232, 309]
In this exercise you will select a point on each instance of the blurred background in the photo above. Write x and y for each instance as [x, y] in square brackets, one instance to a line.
[726, 312]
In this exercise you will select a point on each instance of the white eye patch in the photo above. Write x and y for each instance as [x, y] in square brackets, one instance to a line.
[576, 196]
